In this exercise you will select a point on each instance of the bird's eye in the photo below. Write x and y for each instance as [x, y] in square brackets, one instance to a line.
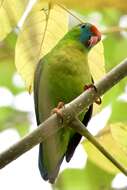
[89, 37]
[83, 26]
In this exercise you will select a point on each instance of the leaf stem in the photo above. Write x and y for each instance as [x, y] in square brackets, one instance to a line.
[80, 128]
[67, 10]
[114, 29]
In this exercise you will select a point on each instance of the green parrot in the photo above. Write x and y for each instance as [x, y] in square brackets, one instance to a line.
[61, 76]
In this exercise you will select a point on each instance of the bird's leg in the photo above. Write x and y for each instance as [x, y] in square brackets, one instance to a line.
[57, 109]
[98, 99]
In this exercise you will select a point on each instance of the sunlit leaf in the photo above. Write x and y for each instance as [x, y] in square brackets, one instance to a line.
[97, 61]
[119, 133]
[91, 177]
[42, 30]
[96, 5]
[114, 148]
[10, 13]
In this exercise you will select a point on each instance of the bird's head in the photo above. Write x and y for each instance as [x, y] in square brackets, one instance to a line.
[89, 35]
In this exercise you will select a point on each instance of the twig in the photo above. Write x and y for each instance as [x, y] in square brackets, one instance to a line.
[68, 11]
[114, 29]
[50, 126]
[122, 188]
[80, 128]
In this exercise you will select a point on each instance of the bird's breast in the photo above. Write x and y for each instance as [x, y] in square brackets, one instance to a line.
[67, 76]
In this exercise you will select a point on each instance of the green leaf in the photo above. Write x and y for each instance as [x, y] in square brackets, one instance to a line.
[89, 178]
[11, 118]
[113, 44]
[7, 68]
[112, 95]
[111, 16]
[119, 109]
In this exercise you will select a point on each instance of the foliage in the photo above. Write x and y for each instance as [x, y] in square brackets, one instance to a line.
[80, 179]
[93, 5]
[40, 33]
[44, 26]
[10, 117]
[10, 13]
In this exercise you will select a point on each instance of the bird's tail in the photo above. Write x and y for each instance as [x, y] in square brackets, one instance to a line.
[51, 176]
[74, 141]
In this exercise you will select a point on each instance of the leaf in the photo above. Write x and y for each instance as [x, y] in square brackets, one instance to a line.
[41, 31]
[91, 177]
[114, 148]
[113, 44]
[94, 5]
[119, 109]
[10, 13]
[96, 61]
[7, 68]
[113, 55]
[111, 16]
[119, 133]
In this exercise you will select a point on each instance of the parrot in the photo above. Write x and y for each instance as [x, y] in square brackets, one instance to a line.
[60, 76]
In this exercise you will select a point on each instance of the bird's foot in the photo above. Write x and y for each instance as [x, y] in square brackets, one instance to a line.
[57, 110]
[98, 99]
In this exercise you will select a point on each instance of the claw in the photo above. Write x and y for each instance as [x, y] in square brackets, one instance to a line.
[57, 110]
[60, 105]
[86, 87]
[98, 99]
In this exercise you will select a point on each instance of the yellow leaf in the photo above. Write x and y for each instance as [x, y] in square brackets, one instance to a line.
[93, 4]
[119, 133]
[97, 62]
[97, 67]
[10, 13]
[42, 30]
[114, 148]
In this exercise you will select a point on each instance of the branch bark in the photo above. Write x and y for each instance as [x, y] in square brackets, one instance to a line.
[71, 110]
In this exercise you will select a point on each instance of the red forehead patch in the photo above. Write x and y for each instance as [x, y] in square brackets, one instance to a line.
[95, 31]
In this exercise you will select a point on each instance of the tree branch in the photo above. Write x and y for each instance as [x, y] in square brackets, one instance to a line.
[50, 126]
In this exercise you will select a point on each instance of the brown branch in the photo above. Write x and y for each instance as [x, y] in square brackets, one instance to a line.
[50, 126]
